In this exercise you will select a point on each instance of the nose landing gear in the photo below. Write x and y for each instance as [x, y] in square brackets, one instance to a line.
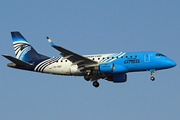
[152, 72]
[152, 78]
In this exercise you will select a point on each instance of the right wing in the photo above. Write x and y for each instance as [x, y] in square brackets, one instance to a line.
[75, 58]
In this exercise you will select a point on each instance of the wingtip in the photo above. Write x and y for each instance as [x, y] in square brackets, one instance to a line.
[48, 40]
[51, 43]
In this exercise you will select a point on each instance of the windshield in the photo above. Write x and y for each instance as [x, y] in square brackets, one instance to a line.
[158, 54]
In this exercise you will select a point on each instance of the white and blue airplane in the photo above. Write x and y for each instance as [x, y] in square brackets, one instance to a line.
[112, 67]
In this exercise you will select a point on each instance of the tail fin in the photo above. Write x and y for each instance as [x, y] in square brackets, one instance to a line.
[23, 50]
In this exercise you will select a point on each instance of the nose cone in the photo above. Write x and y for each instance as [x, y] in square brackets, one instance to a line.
[171, 63]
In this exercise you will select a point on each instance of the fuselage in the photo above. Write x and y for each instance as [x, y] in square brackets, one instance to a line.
[112, 67]
[130, 61]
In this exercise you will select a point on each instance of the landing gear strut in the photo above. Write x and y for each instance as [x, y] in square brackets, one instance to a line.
[95, 84]
[152, 72]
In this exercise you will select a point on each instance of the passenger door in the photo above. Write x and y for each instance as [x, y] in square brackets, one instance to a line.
[147, 57]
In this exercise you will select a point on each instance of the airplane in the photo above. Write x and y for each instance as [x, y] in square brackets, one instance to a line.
[111, 67]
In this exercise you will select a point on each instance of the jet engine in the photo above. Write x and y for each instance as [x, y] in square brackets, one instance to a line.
[110, 68]
[117, 78]
[106, 67]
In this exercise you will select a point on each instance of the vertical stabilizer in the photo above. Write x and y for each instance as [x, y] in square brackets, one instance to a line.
[23, 50]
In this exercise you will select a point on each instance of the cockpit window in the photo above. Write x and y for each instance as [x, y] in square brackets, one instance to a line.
[158, 54]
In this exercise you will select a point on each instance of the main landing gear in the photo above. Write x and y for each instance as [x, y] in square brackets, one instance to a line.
[96, 84]
[152, 72]
[92, 77]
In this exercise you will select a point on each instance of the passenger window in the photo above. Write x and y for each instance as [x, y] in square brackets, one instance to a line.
[117, 57]
[93, 59]
[98, 58]
[112, 57]
[121, 56]
[126, 56]
[61, 61]
[131, 56]
[103, 58]
[66, 61]
[107, 57]
[135, 55]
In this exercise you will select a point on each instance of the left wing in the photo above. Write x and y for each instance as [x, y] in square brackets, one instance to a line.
[75, 58]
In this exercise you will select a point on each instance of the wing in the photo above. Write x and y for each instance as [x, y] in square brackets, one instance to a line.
[75, 58]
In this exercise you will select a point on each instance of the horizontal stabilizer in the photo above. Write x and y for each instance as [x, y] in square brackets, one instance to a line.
[17, 61]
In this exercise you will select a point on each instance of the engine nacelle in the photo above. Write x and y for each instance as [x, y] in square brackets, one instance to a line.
[111, 68]
[117, 78]
[106, 67]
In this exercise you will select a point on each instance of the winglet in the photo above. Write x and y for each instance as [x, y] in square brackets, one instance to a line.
[51, 43]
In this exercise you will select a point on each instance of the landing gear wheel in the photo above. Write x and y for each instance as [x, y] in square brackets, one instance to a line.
[95, 84]
[87, 78]
[152, 78]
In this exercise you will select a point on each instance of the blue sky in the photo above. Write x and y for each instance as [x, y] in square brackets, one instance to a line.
[90, 27]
